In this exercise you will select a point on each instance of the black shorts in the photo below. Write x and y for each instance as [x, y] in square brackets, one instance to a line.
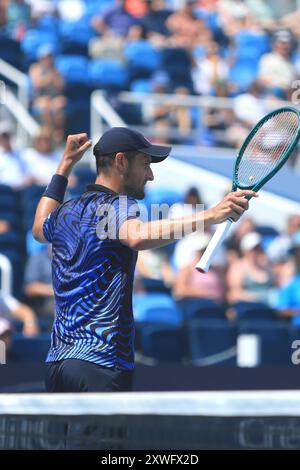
[75, 375]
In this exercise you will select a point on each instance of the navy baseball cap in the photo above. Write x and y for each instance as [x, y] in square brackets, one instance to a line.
[123, 139]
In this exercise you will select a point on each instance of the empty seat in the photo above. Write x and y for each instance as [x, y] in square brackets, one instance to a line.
[211, 342]
[109, 74]
[156, 308]
[161, 342]
[32, 349]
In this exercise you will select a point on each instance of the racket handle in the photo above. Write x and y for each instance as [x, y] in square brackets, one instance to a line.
[215, 242]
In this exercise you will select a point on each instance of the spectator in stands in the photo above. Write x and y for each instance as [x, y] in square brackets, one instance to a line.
[137, 8]
[12, 167]
[11, 308]
[115, 21]
[189, 283]
[250, 277]
[233, 243]
[187, 30]
[218, 120]
[276, 69]
[153, 271]
[18, 16]
[288, 301]
[48, 100]
[280, 246]
[209, 70]
[279, 251]
[188, 206]
[38, 284]
[249, 107]
[41, 160]
[155, 21]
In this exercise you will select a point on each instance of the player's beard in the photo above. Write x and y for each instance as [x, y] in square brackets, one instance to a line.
[132, 189]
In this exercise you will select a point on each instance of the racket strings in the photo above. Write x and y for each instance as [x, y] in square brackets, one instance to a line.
[267, 148]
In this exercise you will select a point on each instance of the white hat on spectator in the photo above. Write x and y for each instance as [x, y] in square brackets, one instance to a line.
[250, 241]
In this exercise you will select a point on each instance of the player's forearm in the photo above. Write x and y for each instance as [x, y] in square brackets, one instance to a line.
[159, 233]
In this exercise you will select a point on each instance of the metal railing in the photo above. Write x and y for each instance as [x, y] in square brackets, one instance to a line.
[6, 275]
[18, 105]
[199, 105]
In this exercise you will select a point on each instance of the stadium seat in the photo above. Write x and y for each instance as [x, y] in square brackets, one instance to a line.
[156, 308]
[243, 73]
[161, 342]
[109, 74]
[10, 51]
[47, 23]
[33, 39]
[142, 57]
[254, 310]
[73, 68]
[75, 36]
[201, 308]
[177, 64]
[250, 46]
[211, 342]
[9, 199]
[32, 349]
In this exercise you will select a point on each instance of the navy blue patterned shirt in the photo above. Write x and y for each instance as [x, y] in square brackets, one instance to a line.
[92, 273]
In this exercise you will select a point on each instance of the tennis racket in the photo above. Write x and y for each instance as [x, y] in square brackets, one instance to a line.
[264, 151]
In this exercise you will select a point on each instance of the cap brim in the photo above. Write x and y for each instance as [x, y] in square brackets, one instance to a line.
[157, 152]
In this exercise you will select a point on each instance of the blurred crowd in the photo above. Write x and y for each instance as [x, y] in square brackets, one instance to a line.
[219, 48]
[244, 50]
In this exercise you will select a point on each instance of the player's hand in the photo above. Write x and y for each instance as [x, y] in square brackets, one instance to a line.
[232, 206]
[76, 146]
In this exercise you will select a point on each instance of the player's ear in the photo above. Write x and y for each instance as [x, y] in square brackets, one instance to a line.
[121, 162]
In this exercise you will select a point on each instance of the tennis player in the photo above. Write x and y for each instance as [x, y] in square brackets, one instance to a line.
[95, 239]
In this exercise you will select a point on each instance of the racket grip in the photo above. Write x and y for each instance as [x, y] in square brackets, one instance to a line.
[214, 244]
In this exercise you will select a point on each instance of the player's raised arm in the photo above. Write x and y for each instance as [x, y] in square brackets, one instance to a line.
[53, 196]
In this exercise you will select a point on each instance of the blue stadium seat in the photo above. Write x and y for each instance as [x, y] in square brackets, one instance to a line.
[11, 239]
[47, 23]
[274, 338]
[75, 36]
[94, 7]
[9, 199]
[142, 85]
[77, 112]
[250, 46]
[10, 51]
[142, 56]
[109, 74]
[211, 342]
[162, 195]
[31, 349]
[33, 39]
[201, 308]
[243, 73]
[73, 68]
[254, 310]
[176, 62]
[156, 308]
[161, 342]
